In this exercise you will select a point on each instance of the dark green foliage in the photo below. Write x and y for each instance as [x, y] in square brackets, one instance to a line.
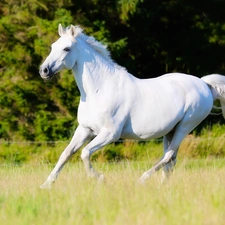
[149, 38]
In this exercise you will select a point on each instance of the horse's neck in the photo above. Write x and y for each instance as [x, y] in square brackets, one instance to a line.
[92, 72]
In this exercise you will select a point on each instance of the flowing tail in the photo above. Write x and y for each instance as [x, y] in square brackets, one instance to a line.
[216, 83]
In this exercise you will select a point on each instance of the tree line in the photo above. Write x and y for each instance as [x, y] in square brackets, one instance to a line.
[148, 37]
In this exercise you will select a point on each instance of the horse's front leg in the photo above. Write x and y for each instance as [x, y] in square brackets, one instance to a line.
[80, 136]
[105, 137]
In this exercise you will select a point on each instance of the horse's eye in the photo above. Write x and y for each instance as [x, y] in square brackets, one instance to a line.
[66, 49]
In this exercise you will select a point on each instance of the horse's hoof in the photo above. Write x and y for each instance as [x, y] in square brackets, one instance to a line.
[101, 178]
[46, 185]
[141, 181]
[144, 177]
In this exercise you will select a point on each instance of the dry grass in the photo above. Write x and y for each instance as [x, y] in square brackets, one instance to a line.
[193, 195]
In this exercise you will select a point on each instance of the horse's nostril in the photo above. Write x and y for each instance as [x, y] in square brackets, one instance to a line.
[45, 70]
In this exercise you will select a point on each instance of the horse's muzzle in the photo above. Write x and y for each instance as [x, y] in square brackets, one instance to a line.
[46, 73]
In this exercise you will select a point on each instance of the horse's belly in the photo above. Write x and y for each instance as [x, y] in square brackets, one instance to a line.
[151, 126]
[130, 134]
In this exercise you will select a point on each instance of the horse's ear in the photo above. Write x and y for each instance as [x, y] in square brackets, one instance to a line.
[61, 30]
[73, 30]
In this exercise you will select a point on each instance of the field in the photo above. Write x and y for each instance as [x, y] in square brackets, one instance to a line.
[194, 194]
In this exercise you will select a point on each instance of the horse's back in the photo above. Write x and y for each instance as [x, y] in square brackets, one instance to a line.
[176, 86]
[159, 104]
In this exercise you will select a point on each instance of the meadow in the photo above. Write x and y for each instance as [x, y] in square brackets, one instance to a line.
[194, 194]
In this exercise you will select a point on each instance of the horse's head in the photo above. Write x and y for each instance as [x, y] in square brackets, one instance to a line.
[62, 55]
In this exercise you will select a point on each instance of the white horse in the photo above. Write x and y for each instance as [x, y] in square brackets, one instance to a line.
[114, 104]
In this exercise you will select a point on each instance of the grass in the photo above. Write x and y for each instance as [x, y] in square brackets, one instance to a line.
[209, 143]
[194, 194]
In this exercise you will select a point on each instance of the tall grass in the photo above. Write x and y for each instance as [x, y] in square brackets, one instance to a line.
[210, 143]
[194, 194]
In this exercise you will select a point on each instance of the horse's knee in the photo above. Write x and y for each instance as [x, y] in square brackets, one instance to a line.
[85, 155]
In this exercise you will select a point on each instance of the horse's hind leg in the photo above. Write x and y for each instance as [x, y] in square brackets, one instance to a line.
[164, 160]
[185, 126]
[168, 168]
[80, 136]
[168, 160]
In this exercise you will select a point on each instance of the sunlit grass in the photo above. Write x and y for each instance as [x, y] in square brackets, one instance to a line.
[210, 143]
[194, 194]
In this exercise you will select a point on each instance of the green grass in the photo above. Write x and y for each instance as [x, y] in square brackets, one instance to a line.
[194, 194]
[210, 143]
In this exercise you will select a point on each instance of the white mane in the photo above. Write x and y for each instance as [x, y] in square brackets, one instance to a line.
[95, 45]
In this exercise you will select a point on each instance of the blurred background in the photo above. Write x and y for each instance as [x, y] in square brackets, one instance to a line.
[148, 37]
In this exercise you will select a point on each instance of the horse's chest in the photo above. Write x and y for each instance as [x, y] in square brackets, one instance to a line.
[94, 116]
